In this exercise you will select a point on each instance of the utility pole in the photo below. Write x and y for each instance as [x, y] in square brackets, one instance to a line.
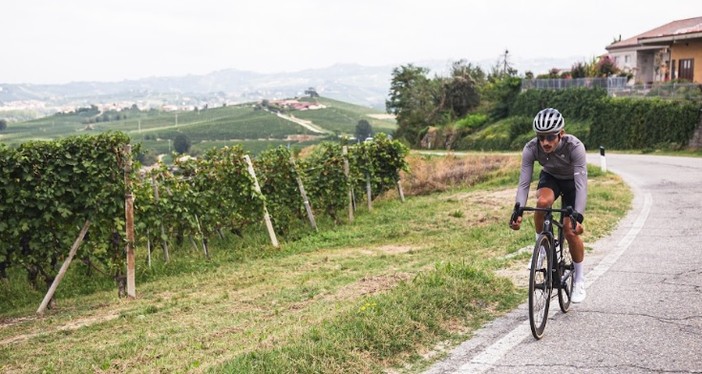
[504, 63]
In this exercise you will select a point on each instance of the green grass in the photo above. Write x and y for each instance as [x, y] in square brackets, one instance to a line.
[359, 297]
[342, 117]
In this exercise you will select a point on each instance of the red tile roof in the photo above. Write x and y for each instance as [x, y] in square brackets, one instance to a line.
[680, 27]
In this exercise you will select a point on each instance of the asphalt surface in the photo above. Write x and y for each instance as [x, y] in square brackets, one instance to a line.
[643, 312]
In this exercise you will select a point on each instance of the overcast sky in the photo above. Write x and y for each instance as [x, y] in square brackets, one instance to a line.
[50, 41]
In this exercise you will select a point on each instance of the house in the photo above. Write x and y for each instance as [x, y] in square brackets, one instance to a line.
[664, 53]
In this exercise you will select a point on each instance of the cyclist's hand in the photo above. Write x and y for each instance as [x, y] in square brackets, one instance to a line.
[515, 225]
[578, 228]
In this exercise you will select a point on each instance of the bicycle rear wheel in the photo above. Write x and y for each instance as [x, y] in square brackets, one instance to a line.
[565, 272]
[540, 286]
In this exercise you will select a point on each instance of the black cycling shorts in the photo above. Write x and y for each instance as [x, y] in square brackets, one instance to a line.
[559, 186]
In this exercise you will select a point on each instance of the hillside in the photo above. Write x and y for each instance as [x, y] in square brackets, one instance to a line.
[361, 85]
[245, 124]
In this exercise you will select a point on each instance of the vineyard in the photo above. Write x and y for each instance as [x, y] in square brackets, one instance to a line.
[51, 189]
[241, 124]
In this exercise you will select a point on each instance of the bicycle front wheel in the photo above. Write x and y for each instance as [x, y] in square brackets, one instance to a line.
[565, 272]
[540, 286]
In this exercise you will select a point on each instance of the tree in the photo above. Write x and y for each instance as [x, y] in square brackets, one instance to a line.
[181, 143]
[419, 102]
[579, 70]
[606, 67]
[462, 89]
[363, 130]
[312, 92]
[411, 100]
[3, 124]
[502, 88]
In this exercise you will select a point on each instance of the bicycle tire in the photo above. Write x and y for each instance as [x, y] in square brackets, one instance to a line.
[540, 286]
[566, 276]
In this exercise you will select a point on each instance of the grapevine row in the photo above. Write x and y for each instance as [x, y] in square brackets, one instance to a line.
[49, 189]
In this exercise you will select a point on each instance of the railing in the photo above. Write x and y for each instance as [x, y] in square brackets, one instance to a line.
[612, 83]
[619, 87]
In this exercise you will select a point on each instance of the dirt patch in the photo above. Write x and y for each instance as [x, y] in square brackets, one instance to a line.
[302, 137]
[381, 116]
[395, 249]
[13, 321]
[517, 273]
[390, 249]
[370, 286]
[483, 208]
[71, 325]
[488, 198]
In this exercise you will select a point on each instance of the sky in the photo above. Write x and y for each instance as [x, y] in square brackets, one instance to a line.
[49, 41]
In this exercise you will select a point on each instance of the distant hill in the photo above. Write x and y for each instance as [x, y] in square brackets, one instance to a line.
[362, 85]
[366, 86]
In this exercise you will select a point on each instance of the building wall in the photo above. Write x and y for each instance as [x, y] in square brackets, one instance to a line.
[644, 73]
[685, 50]
[625, 60]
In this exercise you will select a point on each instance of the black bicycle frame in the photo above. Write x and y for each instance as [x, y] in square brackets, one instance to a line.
[547, 229]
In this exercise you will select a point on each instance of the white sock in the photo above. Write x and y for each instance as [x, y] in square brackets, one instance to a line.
[536, 236]
[579, 272]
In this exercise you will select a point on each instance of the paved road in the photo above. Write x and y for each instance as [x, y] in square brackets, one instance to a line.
[643, 313]
[304, 123]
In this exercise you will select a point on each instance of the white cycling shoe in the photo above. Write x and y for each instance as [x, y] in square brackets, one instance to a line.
[579, 293]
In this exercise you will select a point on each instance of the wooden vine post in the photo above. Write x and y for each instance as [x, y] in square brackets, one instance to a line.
[64, 267]
[166, 256]
[305, 200]
[129, 220]
[345, 153]
[399, 190]
[266, 216]
[369, 195]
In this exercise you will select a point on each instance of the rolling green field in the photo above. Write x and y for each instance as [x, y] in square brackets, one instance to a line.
[342, 117]
[255, 130]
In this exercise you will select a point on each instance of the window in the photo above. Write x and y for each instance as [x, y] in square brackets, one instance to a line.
[626, 59]
[685, 69]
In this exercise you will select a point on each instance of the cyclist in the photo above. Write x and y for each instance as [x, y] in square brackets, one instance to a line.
[564, 171]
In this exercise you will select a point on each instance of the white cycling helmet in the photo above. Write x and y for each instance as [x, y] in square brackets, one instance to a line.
[548, 120]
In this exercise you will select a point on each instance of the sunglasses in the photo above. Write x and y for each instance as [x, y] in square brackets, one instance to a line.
[549, 137]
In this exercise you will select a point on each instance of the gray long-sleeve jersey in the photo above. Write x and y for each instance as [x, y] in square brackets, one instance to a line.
[567, 161]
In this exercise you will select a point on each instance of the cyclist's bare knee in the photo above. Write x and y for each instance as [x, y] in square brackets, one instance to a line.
[545, 198]
[544, 202]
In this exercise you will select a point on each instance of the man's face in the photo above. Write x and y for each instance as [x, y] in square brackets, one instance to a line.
[549, 142]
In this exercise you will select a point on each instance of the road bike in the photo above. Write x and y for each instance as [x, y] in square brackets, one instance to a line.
[551, 267]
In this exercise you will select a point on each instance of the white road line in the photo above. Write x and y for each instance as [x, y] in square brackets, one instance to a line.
[486, 359]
